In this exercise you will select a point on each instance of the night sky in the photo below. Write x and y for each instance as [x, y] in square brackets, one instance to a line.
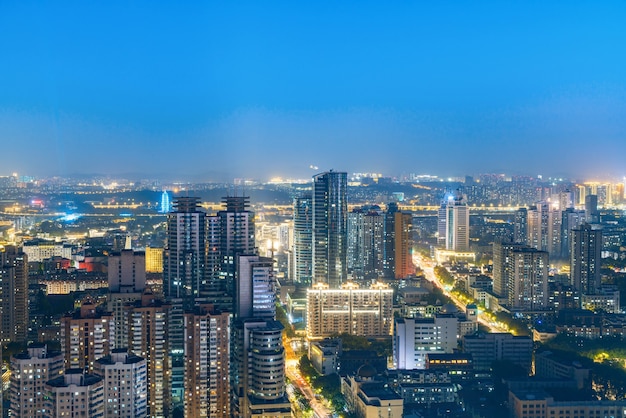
[223, 90]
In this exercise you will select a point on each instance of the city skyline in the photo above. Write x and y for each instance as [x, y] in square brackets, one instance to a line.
[221, 91]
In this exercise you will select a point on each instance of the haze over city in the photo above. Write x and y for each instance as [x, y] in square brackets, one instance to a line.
[217, 91]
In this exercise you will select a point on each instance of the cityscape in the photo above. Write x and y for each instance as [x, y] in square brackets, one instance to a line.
[312, 209]
[347, 295]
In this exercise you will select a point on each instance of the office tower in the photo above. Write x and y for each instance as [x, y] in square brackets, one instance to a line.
[86, 335]
[258, 370]
[13, 295]
[520, 226]
[330, 210]
[401, 259]
[527, 279]
[354, 251]
[74, 394]
[586, 258]
[453, 223]
[154, 260]
[303, 239]
[125, 384]
[255, 288]
[230, 233]
[207, 384]
[148, 337]
[591, 209]
[570, 219]
[501, 266]
[184, 258]
[166, 206]
[415, 338]
[30, 370]
[349, 310]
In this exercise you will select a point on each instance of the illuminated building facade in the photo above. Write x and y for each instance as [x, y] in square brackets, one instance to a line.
[39, 250]
[586, 258]
[453, 223]
[350, 310]
[14, 317]
[74, 394]
[303, 240]
[527, 279]
[87, 334]
[330, 211]
[207, 384]
[30, 370]
[154, 260]
[125, 384]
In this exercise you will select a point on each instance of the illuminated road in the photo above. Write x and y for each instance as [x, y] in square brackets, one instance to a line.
[293, 373]
[428, 268]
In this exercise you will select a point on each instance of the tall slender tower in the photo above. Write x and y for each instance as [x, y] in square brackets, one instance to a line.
[303, 239]
[13, 295]
[330, 209]
[585, 258]
[454, 223]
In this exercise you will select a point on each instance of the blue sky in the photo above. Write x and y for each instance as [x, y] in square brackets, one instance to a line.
[218, 90]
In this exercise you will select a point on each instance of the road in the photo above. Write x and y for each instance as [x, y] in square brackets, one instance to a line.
[428, 268]
[293, 373]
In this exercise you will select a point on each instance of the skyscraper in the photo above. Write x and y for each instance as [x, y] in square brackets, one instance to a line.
[585, 258]
[13, 295]
[591, 209]
[230, 233]
[255, 295]
[527, 279]
[330, 210]
[303, 239]
[165, 202]
[184, 258]
[207, 384]
[453, 223]
[501, 266]
[570, 219]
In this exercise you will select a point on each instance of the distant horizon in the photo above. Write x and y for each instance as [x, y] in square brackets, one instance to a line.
[221, 90]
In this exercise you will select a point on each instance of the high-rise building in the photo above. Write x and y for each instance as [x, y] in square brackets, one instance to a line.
[207, 384]
[349, 310]
[354, 249]
[586, 258]
[401, 260]
[148, 337]
[501, 266]
[87, 334]
[125, 384]
[74, 394]
[255, 295]
[544, 228]
[13, 295]
[330, 210]
[184, 258]
[230, 233]
[527, 279]
[184, 278]
[591, 209]
[453, 223]
[258, 381]
[415, 338]
[303, 240]
[520, 226]
[373, 244]
[570, 219]
[30, 370]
